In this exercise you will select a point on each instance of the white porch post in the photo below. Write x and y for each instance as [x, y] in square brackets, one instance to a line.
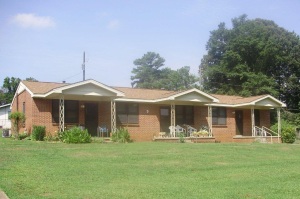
[252, 122]
[279, 123]
[173, 119]
[61, 113]
[113, 116]
[209, 121]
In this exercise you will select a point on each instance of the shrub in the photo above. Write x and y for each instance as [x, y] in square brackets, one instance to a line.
[288, 131]
[18, 120]
[181, 138]
[38, 133]
[22, 136]
[288, 134]
[121, 135]
[75, 135]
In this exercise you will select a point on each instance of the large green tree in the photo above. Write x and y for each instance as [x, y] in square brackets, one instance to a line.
[8, 90]
[9, 87]
[149, 73]
[253, 57]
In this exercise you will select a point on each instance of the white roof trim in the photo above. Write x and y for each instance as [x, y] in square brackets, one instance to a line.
[187, 92]
[272, 98]
[60, 89]
[250, 103]
[20, 89]
[5, 105]
[133, 100]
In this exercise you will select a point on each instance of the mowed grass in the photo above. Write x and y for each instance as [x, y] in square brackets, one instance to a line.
[148, 170]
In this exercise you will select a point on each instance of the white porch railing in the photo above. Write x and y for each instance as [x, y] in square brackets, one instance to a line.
[265, 132]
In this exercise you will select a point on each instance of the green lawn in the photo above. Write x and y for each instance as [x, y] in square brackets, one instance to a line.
[148, 170]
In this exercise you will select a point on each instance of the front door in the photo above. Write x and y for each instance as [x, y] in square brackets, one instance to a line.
[165, 119]
[91, 118]
[239, 122]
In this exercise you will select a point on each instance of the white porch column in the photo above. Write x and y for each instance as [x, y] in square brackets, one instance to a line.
[279, 123]
[113, 116]
[252, 122]
[209, 121]
[61, 113]
[173, 119]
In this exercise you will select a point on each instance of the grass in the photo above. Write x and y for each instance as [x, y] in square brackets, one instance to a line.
[148, 170]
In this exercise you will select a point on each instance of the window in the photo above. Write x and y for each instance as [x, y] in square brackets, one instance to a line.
[218, 116]
[23, 107]
[71, 111]
[184, 115]
[127, 113]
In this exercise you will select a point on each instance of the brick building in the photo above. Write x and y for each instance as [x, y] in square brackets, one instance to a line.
[144, 112]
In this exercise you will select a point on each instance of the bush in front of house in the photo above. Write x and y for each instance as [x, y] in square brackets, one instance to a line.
[121, 135]
[18, 119]
[288, 134]
[75, 135]
[38, 133]
[22, 136]
[288, 131]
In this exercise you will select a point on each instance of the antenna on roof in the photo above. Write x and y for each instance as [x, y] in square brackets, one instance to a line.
[83, 66]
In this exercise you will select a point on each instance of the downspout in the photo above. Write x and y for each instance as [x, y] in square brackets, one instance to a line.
[279, 124]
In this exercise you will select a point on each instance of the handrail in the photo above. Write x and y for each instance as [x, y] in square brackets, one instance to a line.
[263, 132]
[269, 130]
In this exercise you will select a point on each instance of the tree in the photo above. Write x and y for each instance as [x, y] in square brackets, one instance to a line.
[147, 73]
[180, 79]
[31, 79]
[150, 74]
[254, 57]
[9, 88]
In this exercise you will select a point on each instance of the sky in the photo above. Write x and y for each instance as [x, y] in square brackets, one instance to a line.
[45, 39]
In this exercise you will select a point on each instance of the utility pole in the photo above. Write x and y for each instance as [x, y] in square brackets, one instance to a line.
[83, 66]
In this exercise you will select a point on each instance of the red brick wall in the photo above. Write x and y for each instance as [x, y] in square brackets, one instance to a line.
[42, 116]
[104, 112]
[149, 125]
[224, 133]
[38, 112]
[200, 116]
[17, 105]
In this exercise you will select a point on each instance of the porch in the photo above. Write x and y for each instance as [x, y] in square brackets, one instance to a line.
[186, 139]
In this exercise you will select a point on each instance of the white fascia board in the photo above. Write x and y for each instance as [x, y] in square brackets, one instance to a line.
[272, 98]
[133, 100]
[60, 89]
[197, 91]
[5, 105]
[219, 105]
[187, 92]
[20, 89]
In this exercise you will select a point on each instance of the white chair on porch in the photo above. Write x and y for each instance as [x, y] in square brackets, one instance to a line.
[176, 130]
[190, 130]
[101, 130]
[179, 130]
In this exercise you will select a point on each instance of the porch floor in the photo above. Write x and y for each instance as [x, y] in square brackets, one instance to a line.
[186, 139]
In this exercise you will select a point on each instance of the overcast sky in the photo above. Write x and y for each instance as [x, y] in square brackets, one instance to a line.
[45, 39]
